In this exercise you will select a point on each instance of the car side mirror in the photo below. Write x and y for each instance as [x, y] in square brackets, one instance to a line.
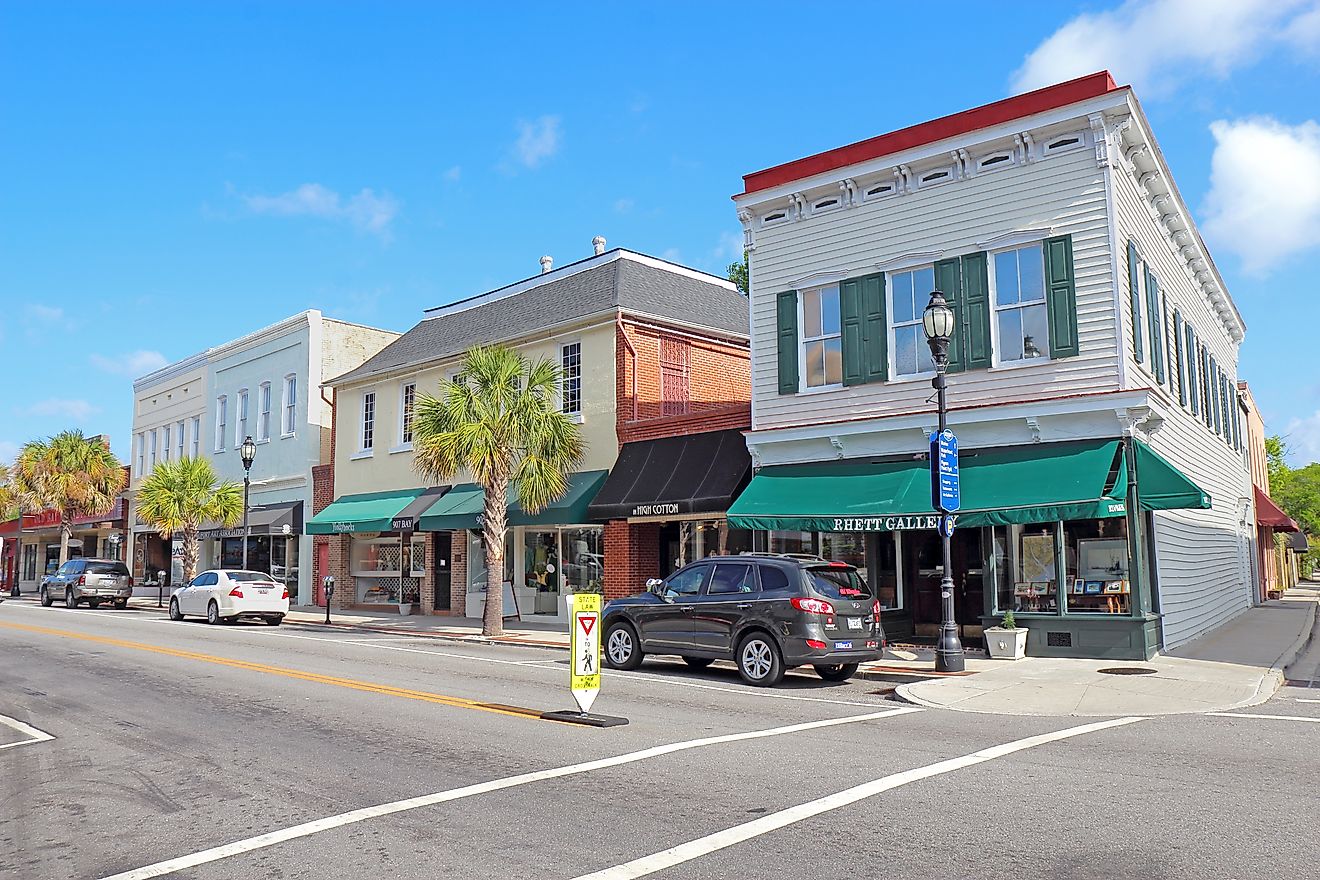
[653, 584]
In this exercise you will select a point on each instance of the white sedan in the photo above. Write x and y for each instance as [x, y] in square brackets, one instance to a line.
[225, 594]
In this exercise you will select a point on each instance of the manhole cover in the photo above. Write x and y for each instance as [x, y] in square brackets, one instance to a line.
[1128, 670]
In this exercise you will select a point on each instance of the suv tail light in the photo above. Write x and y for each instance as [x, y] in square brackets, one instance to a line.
[875, 609]
[286, 594]
[130, 580]
[236, 593]
[82, 580]
[813, 606]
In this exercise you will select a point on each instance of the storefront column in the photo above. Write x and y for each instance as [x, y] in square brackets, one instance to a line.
[426, 589]
[632, 556]
[458, 583]
[345, 588]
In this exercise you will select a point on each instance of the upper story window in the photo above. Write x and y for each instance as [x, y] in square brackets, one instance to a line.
[242, 426]
[178, 429]
[675, 376]
[407, 398]
[368, 421]
[221, 422]
[196, 436]
[165, 446]
[1064, 142]
[290, 405]
[570, 368]
[910, 291]
[153, 449]
[1021, 317]
[822, 346]
[263, 411]
[141, 455]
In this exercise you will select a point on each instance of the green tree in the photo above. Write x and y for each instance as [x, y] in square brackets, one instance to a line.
[68, 473]
[8, 498]
[1276, 452]
[737, 273]
[501, 422]
[182, 494]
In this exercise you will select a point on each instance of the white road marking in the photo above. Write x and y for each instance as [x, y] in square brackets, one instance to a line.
[1308, 701]
[746, 692]
[1266, 717]
[34, 735]
[271, 838]
[685, 852]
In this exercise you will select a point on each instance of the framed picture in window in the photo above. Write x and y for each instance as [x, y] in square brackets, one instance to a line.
[1115, 586]
[1079, 586]
[1093, 588]
[1102, 559]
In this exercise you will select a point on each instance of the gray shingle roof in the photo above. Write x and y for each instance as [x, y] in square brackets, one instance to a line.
[622, 283]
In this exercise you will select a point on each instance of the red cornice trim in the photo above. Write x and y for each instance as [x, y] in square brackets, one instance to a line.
[1016, 107]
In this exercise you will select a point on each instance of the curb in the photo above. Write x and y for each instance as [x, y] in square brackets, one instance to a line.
[446, 637]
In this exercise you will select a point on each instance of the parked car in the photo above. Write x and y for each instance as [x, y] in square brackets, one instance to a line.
[225, 594]
[88, 580]
[768, 613]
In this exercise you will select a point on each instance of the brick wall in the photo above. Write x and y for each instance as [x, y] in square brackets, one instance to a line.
[345, 590]
[632, 556]
[458, 574]
[426, 589]
[323, 492]
[718, 382]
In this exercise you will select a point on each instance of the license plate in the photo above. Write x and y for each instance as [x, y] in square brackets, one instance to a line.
[842, 645]
[854, 623]
[263, 592]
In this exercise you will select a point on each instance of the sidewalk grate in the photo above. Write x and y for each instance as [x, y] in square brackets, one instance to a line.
[1127, 670]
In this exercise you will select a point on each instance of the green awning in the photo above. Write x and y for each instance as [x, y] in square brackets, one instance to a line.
[461, 507]
[1020, 484]
[395, 510]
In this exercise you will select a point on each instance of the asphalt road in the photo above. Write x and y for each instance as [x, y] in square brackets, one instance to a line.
[182, 750]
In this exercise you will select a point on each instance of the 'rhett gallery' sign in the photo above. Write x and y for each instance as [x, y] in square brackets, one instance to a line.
[887, 523]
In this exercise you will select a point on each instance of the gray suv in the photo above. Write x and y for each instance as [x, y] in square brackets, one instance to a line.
[767, 613]
[88, 580]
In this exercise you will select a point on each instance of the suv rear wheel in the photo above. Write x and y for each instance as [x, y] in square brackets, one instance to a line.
[622, 649]
[760, 661]
[69, 601]
[836, 671]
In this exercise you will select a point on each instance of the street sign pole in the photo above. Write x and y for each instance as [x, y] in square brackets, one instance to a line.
[584, 657]
[946, 497]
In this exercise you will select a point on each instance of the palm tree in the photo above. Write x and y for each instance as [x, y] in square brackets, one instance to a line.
[69, 473]
[501, 422]
[182, 494]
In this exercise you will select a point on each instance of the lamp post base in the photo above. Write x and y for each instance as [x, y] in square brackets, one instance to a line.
[949, 651]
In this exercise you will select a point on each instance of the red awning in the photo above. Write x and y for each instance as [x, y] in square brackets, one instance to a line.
[10, 527]
[1269, 514]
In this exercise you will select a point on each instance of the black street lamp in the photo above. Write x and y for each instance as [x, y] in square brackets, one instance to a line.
[938, 323]
[248, 452]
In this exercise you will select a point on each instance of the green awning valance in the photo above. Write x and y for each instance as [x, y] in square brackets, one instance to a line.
[395, 510]
[1020, 484]
[461, 507]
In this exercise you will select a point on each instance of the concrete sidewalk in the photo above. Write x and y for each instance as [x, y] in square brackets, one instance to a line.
[1238, 664]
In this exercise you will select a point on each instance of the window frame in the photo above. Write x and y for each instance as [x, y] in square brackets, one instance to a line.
[196, 436]
[367, 423]
[141, 454]
[263, 412]
[242, 412]
[179, 426]
[992, 290]
[151, 458]
[221, 421]
[289, 407]
[565, 379]
[166, 443]
[803, 340]
[404, 423]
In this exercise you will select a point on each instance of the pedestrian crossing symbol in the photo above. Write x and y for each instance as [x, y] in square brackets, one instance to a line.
[585, 648]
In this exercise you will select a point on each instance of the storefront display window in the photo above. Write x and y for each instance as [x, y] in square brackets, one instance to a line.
[883, 575]
[284, 561]
[231, 553]
[1031, 582]
[1097, 565]
[791, 542]
[541, 569]
[477, 560]
[584, 560]
[29, 562]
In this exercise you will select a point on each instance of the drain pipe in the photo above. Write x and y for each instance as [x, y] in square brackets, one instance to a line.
[618, 322]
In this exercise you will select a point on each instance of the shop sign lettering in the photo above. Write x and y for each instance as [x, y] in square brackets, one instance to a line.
[403, 523]
[342, 527]
[655, 509]
[887, 523]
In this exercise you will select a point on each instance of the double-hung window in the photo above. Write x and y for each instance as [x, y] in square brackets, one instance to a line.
[165, 447]
[910, 292]
[407, 398]
[196, 436]
[570, 369]
[822, 339]
[263, 413]
[221, 422]
[1021, 317]
[178, 428]
[368, 421]
[290, 405]
[242, 418]
[141, 455]
[153, 450]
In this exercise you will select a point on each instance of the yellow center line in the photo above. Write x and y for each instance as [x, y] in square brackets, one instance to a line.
[354, 684]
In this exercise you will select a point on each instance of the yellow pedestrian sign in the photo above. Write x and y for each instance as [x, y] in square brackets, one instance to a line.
[585, 648]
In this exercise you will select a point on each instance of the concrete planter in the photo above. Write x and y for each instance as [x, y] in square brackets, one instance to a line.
[1006, 644]
[405, 609]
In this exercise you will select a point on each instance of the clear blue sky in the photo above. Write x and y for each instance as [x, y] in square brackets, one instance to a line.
[179, 174]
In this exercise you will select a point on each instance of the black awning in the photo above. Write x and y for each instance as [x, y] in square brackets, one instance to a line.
[696, 473]
[265, 519]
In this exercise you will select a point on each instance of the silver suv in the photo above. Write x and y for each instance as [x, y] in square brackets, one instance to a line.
[88, 580]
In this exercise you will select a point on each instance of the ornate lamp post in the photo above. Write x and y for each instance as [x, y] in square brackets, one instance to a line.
[248, 453]
[938, 322]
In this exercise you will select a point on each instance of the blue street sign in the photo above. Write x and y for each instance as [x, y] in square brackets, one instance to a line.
[946, 526]
[944, 491]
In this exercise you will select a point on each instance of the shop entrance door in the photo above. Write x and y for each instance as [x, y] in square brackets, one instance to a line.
[923, 569]
[443, 579]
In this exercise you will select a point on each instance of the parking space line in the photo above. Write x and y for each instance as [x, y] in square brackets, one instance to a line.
[1265, 717]
[271, 838]
[685, 852]
[33, 735]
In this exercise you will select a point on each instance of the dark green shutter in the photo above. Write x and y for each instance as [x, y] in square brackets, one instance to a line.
[787, 333]
[1134, 288]
[1061, 296]
[1189, 342]
[1178, 356]
[1207, 405]
[850, 310]
[1216, 390]
[1164, 332]
[976, 310]
[1153, 316]
[948, 280]
[875, 331]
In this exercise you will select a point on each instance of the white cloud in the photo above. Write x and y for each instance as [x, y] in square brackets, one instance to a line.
[1303, 439]
[623, 206]
[8, 452]
[366, 210]
[49, 314]
[1264, 199]
[730, 246]
[673, 255]
[1303, 32]
[453, 173]
[134, 364]
[537, 141]
[1154, 44]
[55, 407]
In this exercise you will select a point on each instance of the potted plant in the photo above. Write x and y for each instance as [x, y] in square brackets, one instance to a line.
[405, 608]
[1008, 641]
